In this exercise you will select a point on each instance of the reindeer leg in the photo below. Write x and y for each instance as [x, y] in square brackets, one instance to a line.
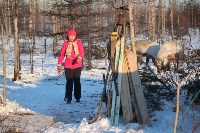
[147, 59]
[175, 65]
[177, 61]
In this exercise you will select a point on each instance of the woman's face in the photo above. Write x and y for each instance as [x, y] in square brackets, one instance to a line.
[72, 38]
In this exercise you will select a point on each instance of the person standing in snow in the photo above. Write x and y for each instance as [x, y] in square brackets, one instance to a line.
[73, 52]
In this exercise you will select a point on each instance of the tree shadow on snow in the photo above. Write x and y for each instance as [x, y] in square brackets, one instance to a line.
[46, 97]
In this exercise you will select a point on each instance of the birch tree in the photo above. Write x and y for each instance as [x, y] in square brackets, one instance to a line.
[149, 18]
[54, 18]
[153, 21]
[162, 2]
[7, 14]
[32, 31]
[171, 18]
[4, 65]
[89, 40]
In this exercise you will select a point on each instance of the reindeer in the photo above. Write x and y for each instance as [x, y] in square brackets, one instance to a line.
[148, 49]
[169, 51]
[160, 55]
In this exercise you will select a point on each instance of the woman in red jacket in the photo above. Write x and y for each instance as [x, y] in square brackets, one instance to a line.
[73, 52]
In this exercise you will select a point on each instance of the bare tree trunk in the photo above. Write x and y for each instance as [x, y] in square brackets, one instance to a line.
[45, 17]
[192, 12]
[37, 17]
[100, 18]
[24, 26]
[17, 66]
[159, 27]
[149, 19]
[59, 24]
[138, 15]
[54, 18]
[199, 23]
[171, 17]
[178, 22]
[132, 28]
[30, 18]
[96, 20]
[89, 41]
[134, 17]
[163, 20]
[153, 22]
[7, 23]
[4, 66]
[32, 31]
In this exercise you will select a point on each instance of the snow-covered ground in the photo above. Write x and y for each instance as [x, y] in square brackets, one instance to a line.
[35, 104]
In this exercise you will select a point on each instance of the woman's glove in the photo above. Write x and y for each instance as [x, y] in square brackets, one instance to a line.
[59, 68]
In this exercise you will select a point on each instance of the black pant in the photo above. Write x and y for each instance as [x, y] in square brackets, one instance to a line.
[73, 78]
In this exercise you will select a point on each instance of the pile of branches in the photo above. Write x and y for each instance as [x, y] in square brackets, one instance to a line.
[157, 88]
[191, 75]
[162, 86]
[192, 91]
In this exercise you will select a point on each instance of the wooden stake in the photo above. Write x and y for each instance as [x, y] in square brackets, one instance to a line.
[177, 106]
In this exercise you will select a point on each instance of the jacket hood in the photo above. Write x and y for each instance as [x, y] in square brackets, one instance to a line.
[71, 32]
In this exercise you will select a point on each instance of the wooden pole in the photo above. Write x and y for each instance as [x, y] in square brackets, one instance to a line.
[177, 106]
[131, 27]
[45, 46]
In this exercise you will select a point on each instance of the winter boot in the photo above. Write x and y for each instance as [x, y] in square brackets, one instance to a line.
[78, 100]
[68, 101]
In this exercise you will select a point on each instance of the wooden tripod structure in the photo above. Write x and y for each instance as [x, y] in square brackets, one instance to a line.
[124, 83]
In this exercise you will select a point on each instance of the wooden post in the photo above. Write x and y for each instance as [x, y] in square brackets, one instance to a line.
[177, 106]
[45, 46]
[89, 53]
[42, 63]
[32, 52]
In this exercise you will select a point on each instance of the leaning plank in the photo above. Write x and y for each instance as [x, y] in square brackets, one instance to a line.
[125, 97]
[142, 114]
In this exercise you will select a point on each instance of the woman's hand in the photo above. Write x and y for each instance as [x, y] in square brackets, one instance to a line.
[59, 68]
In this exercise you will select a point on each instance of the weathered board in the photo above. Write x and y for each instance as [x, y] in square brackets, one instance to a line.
[127, 110]
[140, 102]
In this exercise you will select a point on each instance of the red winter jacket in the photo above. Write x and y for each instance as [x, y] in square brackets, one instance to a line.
[71, 62]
